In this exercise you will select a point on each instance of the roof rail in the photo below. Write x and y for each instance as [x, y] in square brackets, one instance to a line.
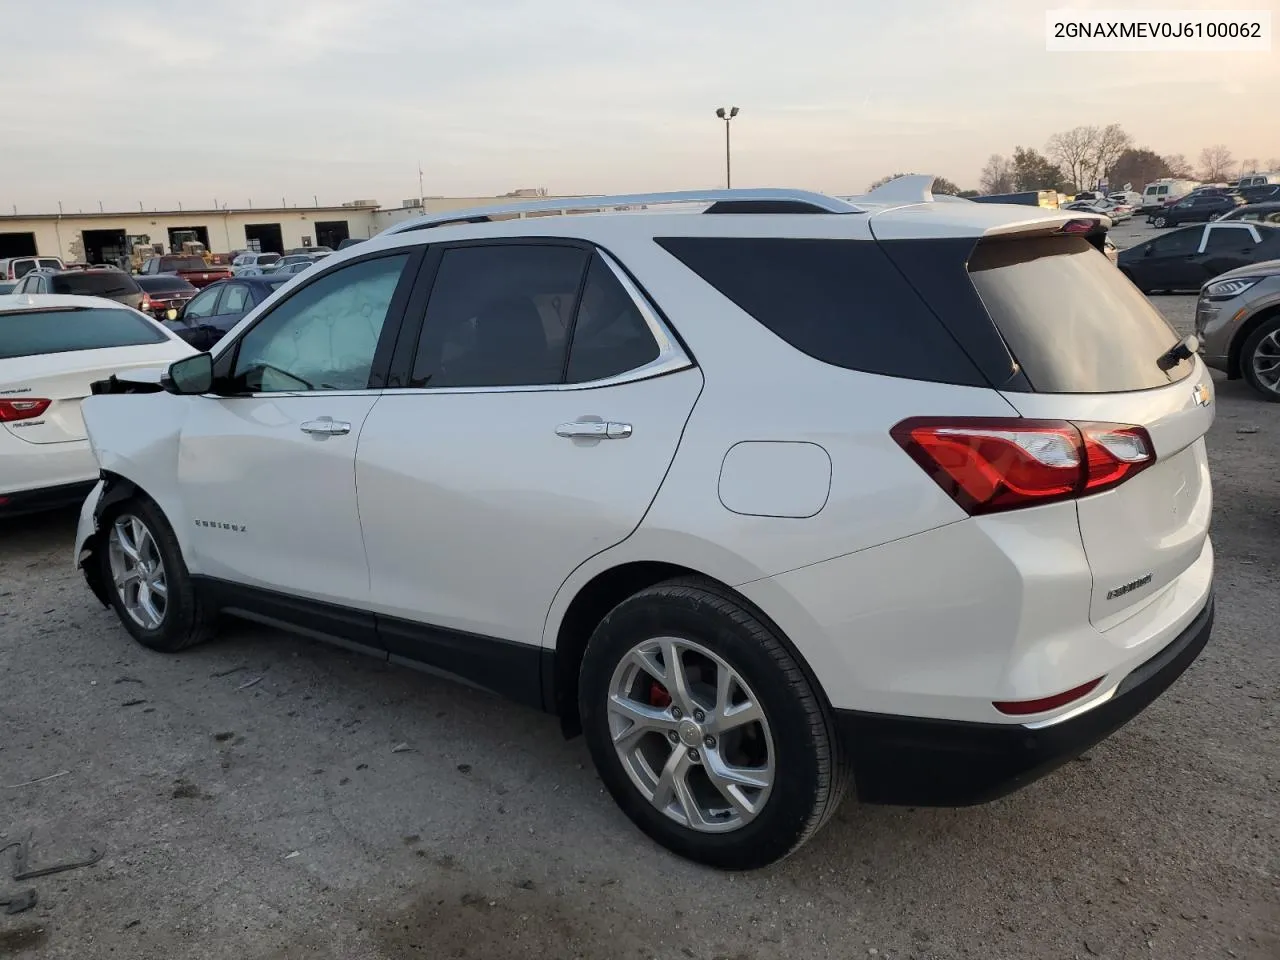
[788, 201]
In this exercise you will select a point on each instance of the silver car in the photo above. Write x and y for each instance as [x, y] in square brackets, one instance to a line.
[1238, 324]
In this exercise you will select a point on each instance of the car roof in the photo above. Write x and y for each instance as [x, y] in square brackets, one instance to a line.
[900, 209]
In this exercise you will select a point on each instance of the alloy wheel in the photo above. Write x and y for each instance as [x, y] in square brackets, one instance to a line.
[691, 734]
[1266, 361]
[137, 570]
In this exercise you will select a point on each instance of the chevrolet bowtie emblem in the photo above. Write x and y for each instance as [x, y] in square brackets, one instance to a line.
[1201, 395]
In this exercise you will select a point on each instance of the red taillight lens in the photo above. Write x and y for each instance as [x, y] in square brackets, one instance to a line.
[25, 409]
[1079, 226]
[146, 302]
[1021, 708]
[987, 464]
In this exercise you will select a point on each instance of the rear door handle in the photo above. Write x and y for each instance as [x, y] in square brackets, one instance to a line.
[326, 427]
[594, 430]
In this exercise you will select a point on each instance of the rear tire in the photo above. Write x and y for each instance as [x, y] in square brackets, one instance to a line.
[673, 749]
[147, 580]
[1262, 348]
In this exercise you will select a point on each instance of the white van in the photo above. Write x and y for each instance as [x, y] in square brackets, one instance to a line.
[1161, 193]
[15, 268]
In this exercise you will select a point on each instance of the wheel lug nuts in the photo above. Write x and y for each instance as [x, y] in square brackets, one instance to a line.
[673, 737]
[676, 712]
[709, 741]
[699, 715]
[693, 755]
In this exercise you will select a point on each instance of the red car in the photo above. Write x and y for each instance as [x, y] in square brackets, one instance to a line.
[164, 292]
[190, 268]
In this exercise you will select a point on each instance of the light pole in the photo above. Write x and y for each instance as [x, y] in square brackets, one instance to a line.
[726, 116]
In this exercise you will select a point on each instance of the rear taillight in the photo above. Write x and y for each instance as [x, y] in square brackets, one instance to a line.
[146, 302]
[24, 409]
[991, 464]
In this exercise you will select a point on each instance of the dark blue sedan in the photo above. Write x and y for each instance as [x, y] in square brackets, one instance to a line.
[207, 316]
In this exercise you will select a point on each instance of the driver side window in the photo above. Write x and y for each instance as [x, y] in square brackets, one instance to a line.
[324, 336]
[201, 305]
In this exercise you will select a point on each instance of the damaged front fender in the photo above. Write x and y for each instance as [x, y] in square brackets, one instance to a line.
[110, 490]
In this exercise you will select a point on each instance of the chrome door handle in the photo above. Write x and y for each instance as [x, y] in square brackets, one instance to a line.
[326, 427]
[594, 430]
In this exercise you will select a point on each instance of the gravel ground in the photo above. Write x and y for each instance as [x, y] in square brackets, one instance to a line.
[268, 797]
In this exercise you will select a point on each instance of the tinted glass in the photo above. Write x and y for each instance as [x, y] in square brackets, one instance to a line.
[1178, 243]
[498, 316]
[93, 283]
[840, 301]
[325, 335]
[50, 264]
[62, 331]
[1072, 320]
[235, 299]
[265, 258]
[182, 263]
[609, 336]
[22, 267]
[163, 284]
[202, 305]
[1227, 239]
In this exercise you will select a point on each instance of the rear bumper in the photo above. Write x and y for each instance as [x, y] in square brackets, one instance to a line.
[928, 762]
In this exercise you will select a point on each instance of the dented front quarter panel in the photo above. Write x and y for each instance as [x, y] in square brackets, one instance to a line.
[136, 438]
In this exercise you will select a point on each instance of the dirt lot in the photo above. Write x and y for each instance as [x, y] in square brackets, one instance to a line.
[269, 797]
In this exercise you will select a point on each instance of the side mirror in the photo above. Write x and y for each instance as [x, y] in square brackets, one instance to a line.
[190, 375]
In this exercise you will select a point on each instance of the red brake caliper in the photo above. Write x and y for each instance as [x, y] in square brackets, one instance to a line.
[658, 696]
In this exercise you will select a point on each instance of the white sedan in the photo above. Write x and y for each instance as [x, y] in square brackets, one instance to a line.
[51, 349]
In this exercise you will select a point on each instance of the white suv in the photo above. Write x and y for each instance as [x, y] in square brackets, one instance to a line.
[768, 494]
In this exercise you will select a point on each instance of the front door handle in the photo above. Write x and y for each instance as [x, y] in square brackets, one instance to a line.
[326, 427]
[594, 430]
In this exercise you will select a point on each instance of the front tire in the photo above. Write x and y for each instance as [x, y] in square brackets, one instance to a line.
[705, 728]
[1160, 222]
[150, 588]
[1260, 359]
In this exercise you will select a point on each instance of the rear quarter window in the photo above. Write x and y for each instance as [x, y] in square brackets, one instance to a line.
[839, 301]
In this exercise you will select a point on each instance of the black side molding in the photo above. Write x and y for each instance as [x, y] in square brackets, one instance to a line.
[514, 670]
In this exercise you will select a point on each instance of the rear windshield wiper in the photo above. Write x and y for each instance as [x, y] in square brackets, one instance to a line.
[1184, 349]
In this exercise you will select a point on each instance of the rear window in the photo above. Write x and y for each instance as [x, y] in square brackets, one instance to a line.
[1073, 322]
[839, 301]
[93, 283]
[50, 264]
[268, 257]
[183, 263]
[62, 331]
[163, 284]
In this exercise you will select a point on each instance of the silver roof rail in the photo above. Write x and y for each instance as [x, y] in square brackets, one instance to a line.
[788, 201]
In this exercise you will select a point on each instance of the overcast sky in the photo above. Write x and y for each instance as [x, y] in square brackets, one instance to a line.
[164, 102]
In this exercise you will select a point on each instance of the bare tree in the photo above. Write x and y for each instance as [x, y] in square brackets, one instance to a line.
[1110, 144]
[1273, 165]
[1249, 166]
[997, 176]
[1216, 163]
[1075, 150]
[1179, 166]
